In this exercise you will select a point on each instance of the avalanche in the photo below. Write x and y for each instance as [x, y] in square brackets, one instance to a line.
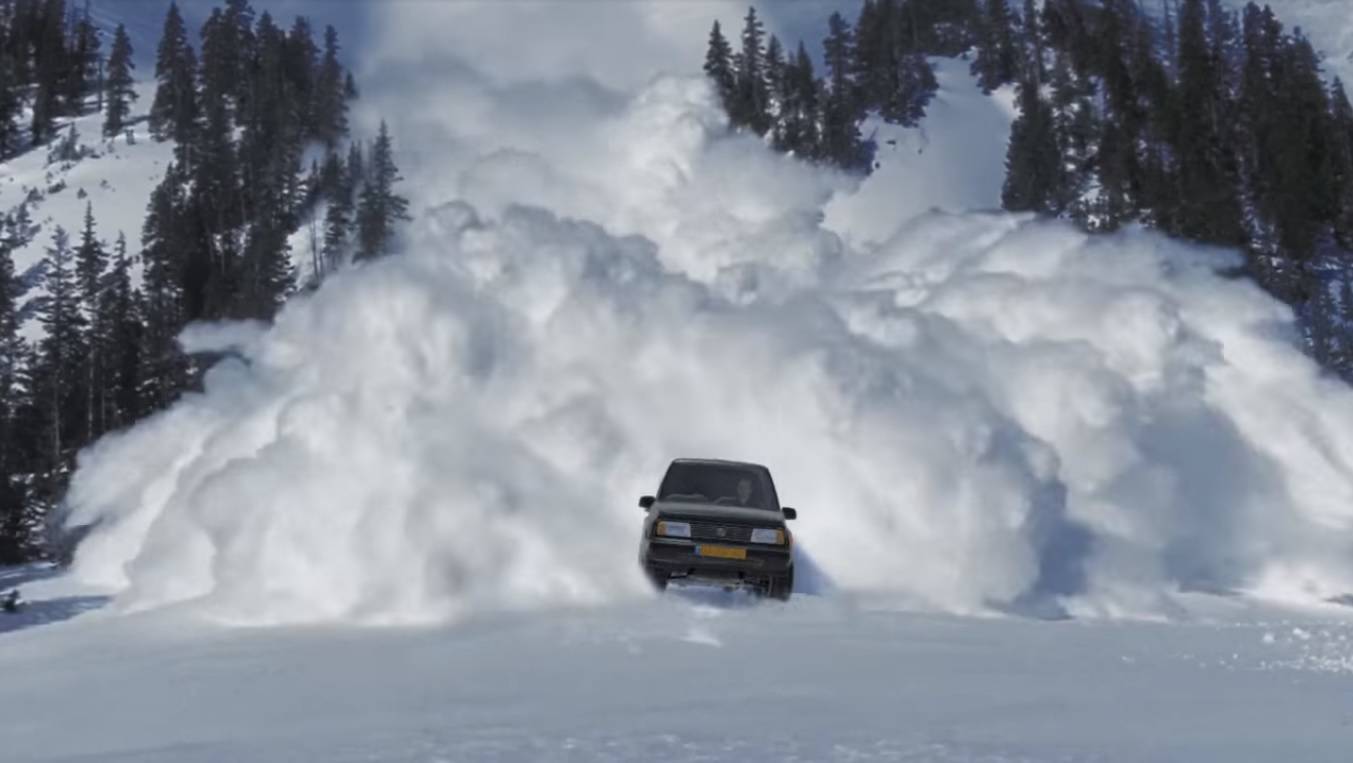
[975, 410]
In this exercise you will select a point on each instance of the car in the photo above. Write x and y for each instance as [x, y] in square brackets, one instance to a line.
[718, 522]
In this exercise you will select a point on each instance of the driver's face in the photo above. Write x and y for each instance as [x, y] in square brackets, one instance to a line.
[744, 490]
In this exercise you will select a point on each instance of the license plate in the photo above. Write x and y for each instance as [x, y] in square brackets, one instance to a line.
[721, 552]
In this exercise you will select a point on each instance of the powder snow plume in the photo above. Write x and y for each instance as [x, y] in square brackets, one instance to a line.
[972, 411]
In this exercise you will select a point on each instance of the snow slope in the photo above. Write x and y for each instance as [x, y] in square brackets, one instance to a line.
[116, 177]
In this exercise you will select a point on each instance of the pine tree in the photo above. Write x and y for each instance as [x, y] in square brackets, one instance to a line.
[380, 206]
[239, 20]
[118, 87]
[121, 315]
[1346, 321]
[753, 87]
[1320, 317]
[1034, 178]
[330, 177]
[719, 68]
[269, 276]
[1209, 208]
[1341, 164]
[1304, 199]
[997, 61]
[799, 109]
[331, 105]
[13, 499]
[19, 228]
[218, 73]
[215, 171]
[1115, 40]
[912, 84]
[356, 165]
[337, 227]
[91, 263]
[51, 64]
[60, 356]
[10, 108]
[775, 74]
[216, 205]
[175, 110]
[162, 247]
[871, 53]
[301, 67]
[890, 72]
[841, 144]
[9, 341]
[1033, 43]
[1169, 37]
[83, 61]
[1222, 36]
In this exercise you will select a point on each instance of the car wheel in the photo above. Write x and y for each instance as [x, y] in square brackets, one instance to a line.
[658, 579]
[780, 588]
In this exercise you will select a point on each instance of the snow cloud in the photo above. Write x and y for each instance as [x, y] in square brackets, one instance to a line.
[972, 410]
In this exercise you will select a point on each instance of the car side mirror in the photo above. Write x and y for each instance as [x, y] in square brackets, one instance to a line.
[790, 513]
[646, 502]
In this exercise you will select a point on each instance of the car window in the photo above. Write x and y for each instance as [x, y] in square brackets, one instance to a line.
[716, 484]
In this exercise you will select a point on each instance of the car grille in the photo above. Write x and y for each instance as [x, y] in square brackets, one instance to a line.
[709, 531]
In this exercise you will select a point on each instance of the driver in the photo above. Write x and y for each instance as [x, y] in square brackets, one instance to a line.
[744, 492]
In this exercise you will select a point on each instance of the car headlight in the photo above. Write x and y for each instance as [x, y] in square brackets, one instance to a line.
[674, 529]
[767, 535]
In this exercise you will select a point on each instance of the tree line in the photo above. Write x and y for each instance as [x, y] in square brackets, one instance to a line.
[1210, 124]
[50, 63]
[243, 108]
[877, 65]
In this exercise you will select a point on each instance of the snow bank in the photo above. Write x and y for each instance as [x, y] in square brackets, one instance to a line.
[979, 411]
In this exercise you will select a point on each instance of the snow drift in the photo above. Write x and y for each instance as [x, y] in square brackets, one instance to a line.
[974, 410]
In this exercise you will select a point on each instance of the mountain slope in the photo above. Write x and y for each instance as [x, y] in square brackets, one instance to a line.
[115, 177]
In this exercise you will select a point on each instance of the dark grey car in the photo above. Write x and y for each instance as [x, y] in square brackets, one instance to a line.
[720, 522]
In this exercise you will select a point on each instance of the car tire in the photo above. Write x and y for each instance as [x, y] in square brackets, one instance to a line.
[658, 579]
[781, 588]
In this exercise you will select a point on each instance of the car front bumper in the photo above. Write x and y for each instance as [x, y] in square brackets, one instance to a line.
[677, 558]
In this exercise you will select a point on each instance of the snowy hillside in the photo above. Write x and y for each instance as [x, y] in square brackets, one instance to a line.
[1062, 497]
[115, 177]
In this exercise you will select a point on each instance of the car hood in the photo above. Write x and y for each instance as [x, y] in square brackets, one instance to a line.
[716, 513]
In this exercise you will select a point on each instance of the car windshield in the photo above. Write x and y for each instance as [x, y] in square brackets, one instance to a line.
[717, 484]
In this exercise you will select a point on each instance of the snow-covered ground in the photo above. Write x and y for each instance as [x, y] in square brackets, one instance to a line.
[1062, 498]
[696, 676]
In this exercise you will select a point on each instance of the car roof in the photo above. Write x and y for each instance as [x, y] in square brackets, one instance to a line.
[720, 462]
